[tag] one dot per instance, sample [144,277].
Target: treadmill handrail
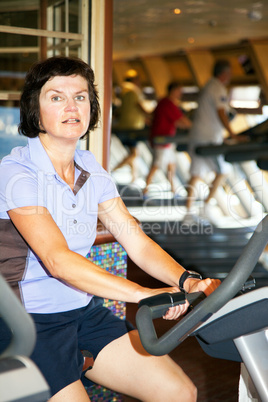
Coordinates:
[259,148]
[231,285]
[18,320]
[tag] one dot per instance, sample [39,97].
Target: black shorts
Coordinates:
[62,336]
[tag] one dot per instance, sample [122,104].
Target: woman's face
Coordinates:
[65,107]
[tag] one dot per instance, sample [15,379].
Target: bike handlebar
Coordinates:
[231,285]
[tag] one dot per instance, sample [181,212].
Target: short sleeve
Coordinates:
[102,184]
[19,187]
[106,185]
[176,114]
[169,110]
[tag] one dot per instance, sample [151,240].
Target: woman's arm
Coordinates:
[39,230]
[147,254]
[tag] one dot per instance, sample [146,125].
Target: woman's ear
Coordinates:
[41,126]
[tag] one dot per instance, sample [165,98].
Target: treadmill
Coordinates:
[250,156]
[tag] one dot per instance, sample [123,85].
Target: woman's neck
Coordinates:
[62,158]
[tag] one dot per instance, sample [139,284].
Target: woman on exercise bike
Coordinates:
[51,195]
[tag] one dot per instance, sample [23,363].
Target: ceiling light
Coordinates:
[177,11]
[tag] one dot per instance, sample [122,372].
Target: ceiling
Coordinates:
[150,27]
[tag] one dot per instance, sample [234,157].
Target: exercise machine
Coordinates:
[250,156]
[20,379]
[229,324]
[254,147]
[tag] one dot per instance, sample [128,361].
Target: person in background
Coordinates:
[167,118]
[51,196]
[131,115]
[210,120]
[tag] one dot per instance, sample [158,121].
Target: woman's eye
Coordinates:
[56,98]
[80,97]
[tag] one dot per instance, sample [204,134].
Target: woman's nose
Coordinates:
[71,104]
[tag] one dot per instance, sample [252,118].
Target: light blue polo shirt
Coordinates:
[28,178]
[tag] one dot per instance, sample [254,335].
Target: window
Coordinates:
[29,31]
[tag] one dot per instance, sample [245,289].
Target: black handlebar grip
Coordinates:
[159,304]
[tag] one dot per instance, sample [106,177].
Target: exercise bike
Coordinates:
[20,379]
[228,324]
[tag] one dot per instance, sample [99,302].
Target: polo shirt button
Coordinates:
[73,205]
[75,221]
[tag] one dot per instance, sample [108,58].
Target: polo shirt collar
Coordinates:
[39,156]
[41,159]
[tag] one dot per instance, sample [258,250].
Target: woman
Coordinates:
[48,190]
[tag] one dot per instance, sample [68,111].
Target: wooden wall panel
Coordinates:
[201,64]
[159,73]
[260,62]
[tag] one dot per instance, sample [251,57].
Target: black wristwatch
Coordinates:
[186,275]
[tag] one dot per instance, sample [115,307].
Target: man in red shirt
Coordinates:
[166,119]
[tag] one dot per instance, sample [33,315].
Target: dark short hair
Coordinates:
[173,85]
[38,75]
[220,66]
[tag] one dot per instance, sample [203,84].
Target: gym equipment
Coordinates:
[131,137]
[250,156]
[255,147]
[235,152]
[227,324]
[20,379]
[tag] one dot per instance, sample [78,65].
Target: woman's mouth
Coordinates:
[71,121]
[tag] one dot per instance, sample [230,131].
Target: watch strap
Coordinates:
[186,275]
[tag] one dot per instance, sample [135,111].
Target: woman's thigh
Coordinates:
[127,368]
[72,393]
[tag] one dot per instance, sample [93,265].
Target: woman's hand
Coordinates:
[175,312]
[207,285]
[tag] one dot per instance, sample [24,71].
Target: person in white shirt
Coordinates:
[210,120]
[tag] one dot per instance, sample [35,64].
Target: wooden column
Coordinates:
[43,25]
[101,62]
